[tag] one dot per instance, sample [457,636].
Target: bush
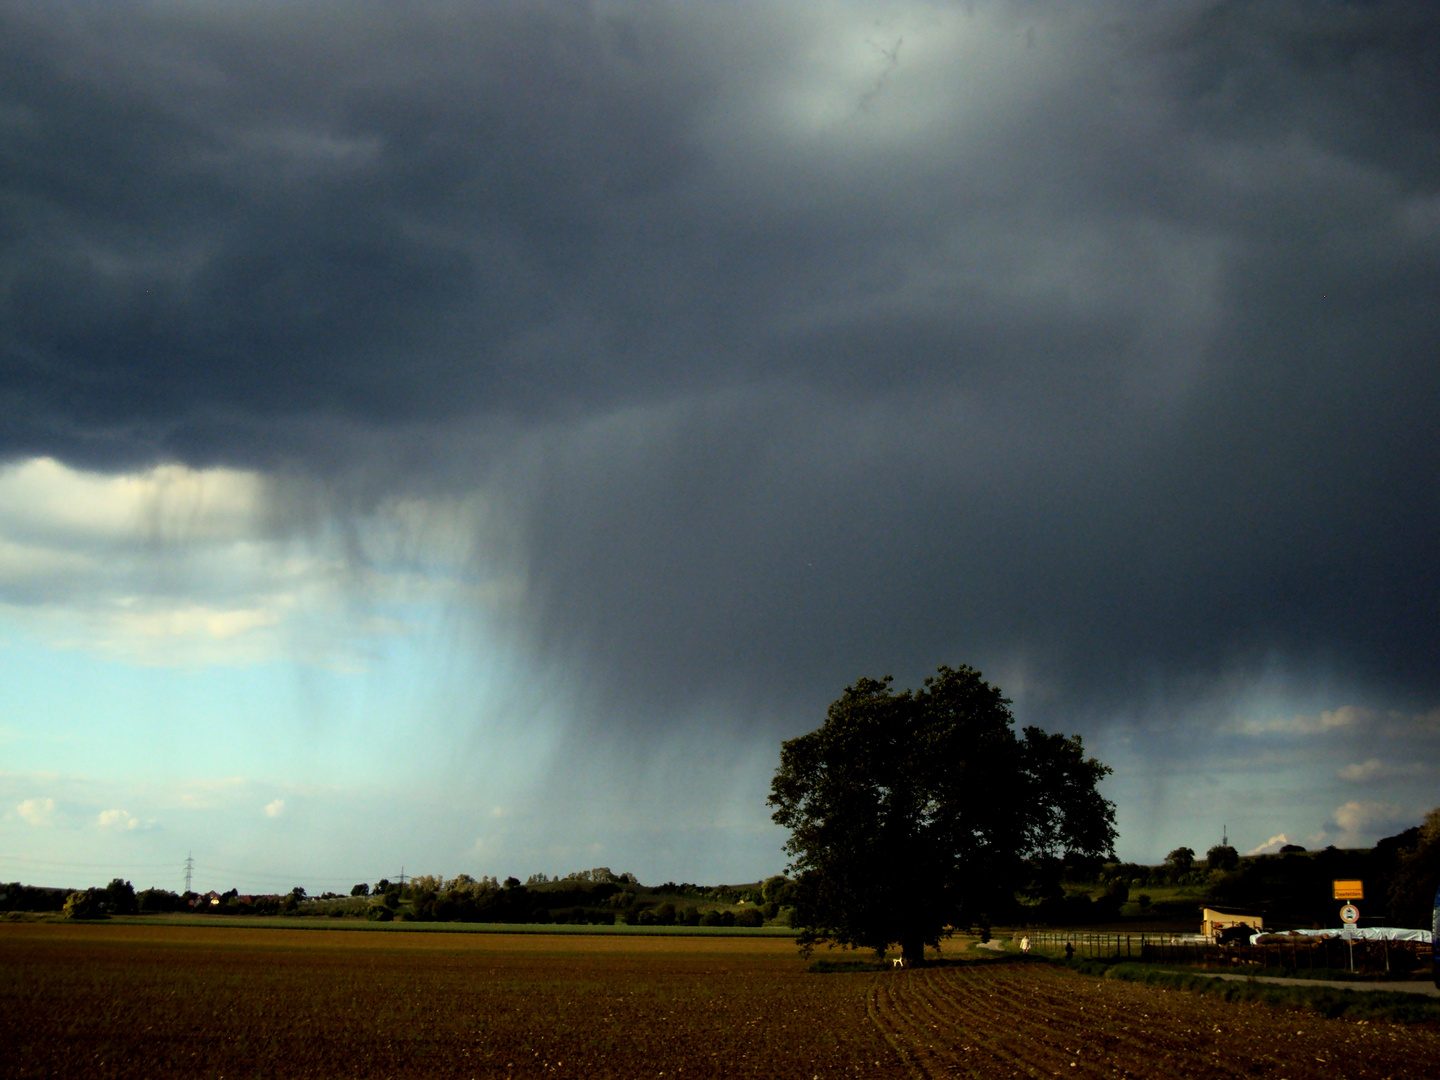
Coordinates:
[379,913]
[155,901]
[1222,857]
[751,916]
[82,905]
[120,898]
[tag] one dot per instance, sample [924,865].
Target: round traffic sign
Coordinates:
[1350,914]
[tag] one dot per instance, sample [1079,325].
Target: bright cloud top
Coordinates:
[36,811]
[118,820]
[181,566]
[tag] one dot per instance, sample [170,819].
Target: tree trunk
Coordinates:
[912,948]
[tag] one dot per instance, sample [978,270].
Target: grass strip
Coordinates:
[830,967]
[318,922]
[1327,1001]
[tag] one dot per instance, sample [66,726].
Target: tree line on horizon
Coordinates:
[1401,874]
[596,897]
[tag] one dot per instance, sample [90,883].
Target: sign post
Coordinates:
[1350,915]
[1349,889]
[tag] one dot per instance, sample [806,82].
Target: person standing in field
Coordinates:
[1025,944]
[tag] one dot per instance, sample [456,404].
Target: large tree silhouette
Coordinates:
[913,811]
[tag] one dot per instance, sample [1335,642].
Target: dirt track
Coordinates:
[1030,1021]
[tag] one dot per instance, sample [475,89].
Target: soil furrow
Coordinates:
[1130,1030]
[1012,1037]
[880,1008]
[974,994]
[991,1044]
[1054,1003]
[938,1032]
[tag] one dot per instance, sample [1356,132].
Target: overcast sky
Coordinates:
[470,436]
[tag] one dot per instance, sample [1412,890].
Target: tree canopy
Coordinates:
[1181,860]
[910,811]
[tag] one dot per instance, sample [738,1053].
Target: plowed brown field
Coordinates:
[133,1001]
[1011,1020]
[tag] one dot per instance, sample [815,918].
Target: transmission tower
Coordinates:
[189,870]
[402,877]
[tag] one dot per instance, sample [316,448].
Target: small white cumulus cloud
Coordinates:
[1345,718]
[1362,822]
[120,820]
[36,811]
[1373,769]
[275,809]
[1343,721]
[1271,846]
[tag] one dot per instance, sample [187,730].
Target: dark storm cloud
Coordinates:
[1100,352]
[215,217]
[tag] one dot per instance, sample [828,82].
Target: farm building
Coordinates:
[1213,921]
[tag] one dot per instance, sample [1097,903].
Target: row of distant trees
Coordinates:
[595,896]
[121,898]
[583,898]
[1402,872]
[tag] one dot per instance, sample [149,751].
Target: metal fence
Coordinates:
[1310,954]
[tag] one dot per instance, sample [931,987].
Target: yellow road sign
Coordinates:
[1349,890]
